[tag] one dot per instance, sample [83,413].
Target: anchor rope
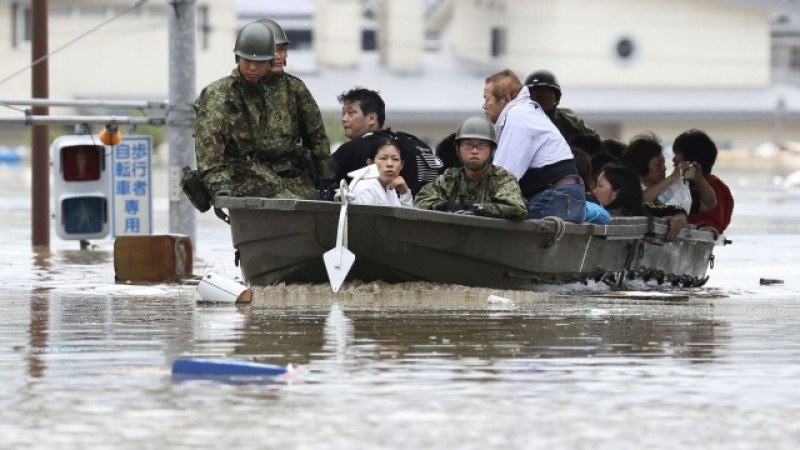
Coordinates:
[559,229]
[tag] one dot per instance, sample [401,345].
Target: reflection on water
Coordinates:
[103,361]
[555,329]
[85,362]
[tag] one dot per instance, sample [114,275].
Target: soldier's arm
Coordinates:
[209,140]
[586,128]
[507,201]
[432,195]
[312,131]
[578,123]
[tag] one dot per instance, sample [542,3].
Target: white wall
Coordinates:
[470,30]
[401,34]
[337,33]
[677,42]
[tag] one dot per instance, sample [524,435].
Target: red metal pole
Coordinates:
[40,142]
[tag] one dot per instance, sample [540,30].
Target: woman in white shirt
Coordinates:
[389,189]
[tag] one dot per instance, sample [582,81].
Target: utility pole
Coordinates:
[40,134]
[180,120]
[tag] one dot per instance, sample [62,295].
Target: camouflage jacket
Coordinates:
[247,137]
[497,191]
[569,124]
[299,120]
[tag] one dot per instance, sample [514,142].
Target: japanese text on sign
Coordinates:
[132,190]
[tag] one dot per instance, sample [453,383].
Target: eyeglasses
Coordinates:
[480,145]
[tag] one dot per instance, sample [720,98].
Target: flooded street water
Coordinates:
[85,363]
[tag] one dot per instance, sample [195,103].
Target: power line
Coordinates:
[81,36]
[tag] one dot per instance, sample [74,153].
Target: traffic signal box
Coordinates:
[81,187]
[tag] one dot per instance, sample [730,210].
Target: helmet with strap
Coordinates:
[255,42]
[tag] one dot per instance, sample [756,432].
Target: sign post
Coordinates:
[132,193]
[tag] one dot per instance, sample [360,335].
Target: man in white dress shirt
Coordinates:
[533,150]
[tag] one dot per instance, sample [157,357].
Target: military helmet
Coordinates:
[277,31]
[476,127]
[543,78]
[255,42]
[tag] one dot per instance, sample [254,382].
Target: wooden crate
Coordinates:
[152,259]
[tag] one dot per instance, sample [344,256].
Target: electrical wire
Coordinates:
[136,5]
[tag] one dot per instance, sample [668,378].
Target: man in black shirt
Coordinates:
[363,113]
[363,117]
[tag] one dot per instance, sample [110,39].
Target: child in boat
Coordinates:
[696,146]
[389,189]
[478,187]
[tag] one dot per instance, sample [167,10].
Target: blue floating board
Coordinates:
[9,156]
[216,367]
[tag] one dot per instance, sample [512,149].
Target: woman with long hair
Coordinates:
[389,189]
[618,190]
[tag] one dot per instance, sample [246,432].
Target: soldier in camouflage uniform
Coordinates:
[546,91]
[249,130]
[302,109]
[478,187]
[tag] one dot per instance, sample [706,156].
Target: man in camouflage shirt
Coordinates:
[546,91]
[478,187]
[252,131]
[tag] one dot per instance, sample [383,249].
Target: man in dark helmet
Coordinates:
[478,187]
[546,91]
[247,133]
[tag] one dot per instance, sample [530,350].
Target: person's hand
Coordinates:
[711,230]
[677,170]
[693,172]
[682,168]
[399,185]
[675,224]
[327,190]
[474,210]
[448,206]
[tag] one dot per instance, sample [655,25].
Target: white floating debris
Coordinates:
[498,302]
[647,295]
[117,290]
[595,311]
[216,288]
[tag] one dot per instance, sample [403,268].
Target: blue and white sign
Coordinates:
[132,196]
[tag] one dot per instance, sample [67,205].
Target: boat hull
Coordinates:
[282,241]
